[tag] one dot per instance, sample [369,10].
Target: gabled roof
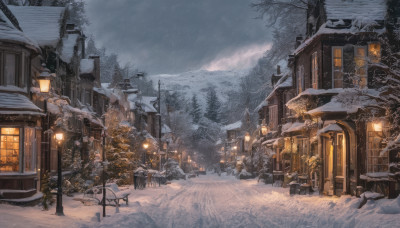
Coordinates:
[234,126]
[8,33]
[285,82]
[42,24]
[355,9]
[148,103]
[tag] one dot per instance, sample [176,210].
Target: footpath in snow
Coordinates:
[213,201]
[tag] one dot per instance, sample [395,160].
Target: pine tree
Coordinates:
[47,197]
[213,105]
[118,150]
[195,110]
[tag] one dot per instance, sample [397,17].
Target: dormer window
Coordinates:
[374,52]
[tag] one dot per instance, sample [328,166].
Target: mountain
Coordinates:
[197,82]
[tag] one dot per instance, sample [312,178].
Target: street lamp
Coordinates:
[59,136]
[264,130]
[44,80]
[247,137]
[145,146]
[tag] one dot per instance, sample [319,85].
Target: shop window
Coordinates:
[14,147]
[314,70]
[337,67]
[374,52]
[375,137]
[9,150]
[360,54]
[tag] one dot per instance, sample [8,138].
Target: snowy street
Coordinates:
[213,201]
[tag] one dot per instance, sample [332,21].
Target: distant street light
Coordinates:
[145,145]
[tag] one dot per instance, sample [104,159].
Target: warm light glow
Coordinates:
[235,147]
[247,137]
[145,145]
[222,161]
[10,131]
[44,85]
[374,52]
[264,130]
[59,136]
[377,126]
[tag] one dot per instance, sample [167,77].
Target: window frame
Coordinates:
[22,148]
[273,116]
[333,65]
[372,160]
[357,68]
[300,79]
[22,68]
[314,70]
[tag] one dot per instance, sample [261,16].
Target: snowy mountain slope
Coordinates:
[197,82]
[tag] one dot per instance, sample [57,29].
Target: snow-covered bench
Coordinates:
[113,194]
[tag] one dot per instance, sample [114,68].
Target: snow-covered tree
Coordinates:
[213,105]
[195,110]
[119,153]
[117,77]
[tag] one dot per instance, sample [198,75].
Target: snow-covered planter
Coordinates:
[173,171]
[243,175]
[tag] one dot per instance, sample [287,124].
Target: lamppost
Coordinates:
[235,154]
[59,136]
[44,80]
[247,145]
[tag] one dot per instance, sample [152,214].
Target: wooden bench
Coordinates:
[113,195]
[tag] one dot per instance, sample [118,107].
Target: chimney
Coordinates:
[299,39]
[278,69]
[83,39]
[96,70]
[70,27]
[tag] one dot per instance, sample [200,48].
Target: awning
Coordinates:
[295,127]
[330,128]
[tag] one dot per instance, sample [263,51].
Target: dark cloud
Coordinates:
[171,36]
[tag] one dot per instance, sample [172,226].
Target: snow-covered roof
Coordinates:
[165,129]
[358,26]
[8,33]
[41,23]
[67,52]
[352,9]
[297,126]
[86,66]
[285,81]
[148,103]
[234,126]
[330,128]
[264,103]
[14,103]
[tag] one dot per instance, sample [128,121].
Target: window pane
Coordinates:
[9,69]
[30,150]
[374,52]
[9,150]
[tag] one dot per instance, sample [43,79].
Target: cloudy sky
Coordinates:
[174,36]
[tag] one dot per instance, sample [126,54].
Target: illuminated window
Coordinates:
[375,137]
[374,52]
[360,54]
[9,150]
[314,70]
[337,66]
[340,155]
[300,79]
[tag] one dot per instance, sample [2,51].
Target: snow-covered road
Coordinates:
[213,201]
